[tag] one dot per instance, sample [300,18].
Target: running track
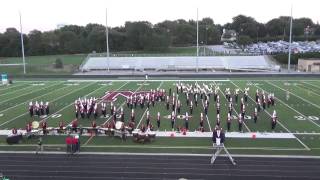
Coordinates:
[63,167]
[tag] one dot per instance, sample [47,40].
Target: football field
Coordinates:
[297,103]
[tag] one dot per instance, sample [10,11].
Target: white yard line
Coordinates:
[311,84]
[33,99]
[308,90]
[10,92]
[29,92]
[317,106]
[15,91]
[12,86]
[293,109]
[233,109]
[52,101]
[304,145]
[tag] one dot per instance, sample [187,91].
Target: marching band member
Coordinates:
[246,94]
[158,120]
[272,99]
[37,108]
[131,102]
[46,107]
[41,108]
[103,109]
[257,95]
[82,111]
[31,109]
[264,101]
[148,118]
[128,101]
[178,106]
[173,102]
[236,94]
[168,102]
[259,105]
[111,108]
[94,124]
[201,119]
[206,107]
[132,115]
[186,121]
[173,119]
[243,110]
[74,125]
[230,106]
[191,107]
[61,126]
[29,128]
[95,111]
[122,115]
[44,127]
[196,100]
[218,108]
[229,121]
[240,121]
[255,115]
[274,120]
[218,119]
[269,100]
[215,94]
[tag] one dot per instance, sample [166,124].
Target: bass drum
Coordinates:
[14,139]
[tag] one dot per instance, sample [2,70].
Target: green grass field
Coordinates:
[42,64]
[300,115]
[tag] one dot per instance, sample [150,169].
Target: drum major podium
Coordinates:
[217,148]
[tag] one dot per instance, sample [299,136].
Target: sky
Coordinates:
[47,14]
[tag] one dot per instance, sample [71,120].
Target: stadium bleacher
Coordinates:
[178,63]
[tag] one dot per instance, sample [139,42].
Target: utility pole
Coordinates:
[197,58]
[22,46]
[107,40]
[290,41]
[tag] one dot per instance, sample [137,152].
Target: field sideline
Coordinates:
[299,114]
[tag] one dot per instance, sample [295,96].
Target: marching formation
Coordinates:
[38,109]
[189,95]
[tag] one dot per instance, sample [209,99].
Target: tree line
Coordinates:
[145,36]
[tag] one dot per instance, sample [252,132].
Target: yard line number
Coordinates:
[302,118]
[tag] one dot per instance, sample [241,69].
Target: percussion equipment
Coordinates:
[14,139]
[119,125]
[135,134]
[35,125]
[152,135]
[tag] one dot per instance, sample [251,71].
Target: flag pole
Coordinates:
[107,39]
[22,45]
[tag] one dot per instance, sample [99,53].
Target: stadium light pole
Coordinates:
[22,45]
[290,41]
[197,59]
[107,39]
